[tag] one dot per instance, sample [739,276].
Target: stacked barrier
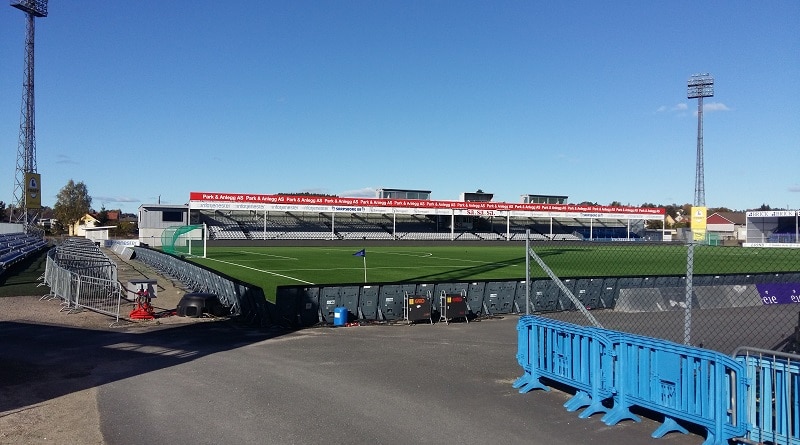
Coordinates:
[83,257]
[682,382]
[242,300]
[79,274]
[773,397]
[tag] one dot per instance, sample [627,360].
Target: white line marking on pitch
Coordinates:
[425,255]
[383,267]
[271,256]
[261,270]
[417,255]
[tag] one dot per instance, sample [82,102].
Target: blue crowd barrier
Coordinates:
[567,354]
[773,398]
[686,383]
[683,383]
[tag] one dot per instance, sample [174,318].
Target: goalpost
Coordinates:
[185,240]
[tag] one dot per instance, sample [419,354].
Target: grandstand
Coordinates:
[258,217]
[773,228]
[323,226]
[15,247]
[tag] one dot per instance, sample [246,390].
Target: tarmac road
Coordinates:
[70,378]
[216,383]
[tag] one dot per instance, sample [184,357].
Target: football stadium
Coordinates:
[604,305]
[665,323]
[264,232]
[226,224]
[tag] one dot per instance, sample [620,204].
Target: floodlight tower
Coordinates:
[700,86]
[26,151]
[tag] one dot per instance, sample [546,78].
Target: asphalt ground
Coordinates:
[216,381]
[73,378]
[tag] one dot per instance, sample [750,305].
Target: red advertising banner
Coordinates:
[416,203]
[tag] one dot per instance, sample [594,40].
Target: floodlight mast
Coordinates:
[26,151]
[37,8]
[700,86]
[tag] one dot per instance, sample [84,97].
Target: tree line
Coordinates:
[73,202]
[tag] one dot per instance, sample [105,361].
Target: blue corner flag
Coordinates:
[362,252]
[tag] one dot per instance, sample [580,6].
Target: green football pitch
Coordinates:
[268,267]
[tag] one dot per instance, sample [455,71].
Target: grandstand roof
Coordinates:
[246,201]
[738,218]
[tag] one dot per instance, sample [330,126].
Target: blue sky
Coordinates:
[578,98]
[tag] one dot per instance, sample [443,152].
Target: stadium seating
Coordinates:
[298,225]
[786,235]
[14,247]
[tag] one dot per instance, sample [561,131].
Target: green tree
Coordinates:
[654,224]
[713,210]
[102,216]
[72,202]
[125,229]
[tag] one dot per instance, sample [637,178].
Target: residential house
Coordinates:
[727,226]
[79,228]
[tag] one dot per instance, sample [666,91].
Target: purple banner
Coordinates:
[779,293]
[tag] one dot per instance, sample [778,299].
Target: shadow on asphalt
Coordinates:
[74,359]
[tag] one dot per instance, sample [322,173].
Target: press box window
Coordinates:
[172,216]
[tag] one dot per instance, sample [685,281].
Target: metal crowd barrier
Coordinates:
[91,284]
[773,397]
[82,256]
[682,382]
[240,298]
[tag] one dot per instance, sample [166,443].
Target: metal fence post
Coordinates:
[687,313]
[527,271]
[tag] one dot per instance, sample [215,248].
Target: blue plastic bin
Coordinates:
[340,316]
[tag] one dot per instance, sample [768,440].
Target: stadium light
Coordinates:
[700,86]
[37,8]
[27,197]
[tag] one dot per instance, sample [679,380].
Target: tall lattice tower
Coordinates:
[27,189]
[700,86]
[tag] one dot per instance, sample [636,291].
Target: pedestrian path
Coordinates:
[168,291]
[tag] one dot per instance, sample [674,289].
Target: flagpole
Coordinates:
[363,254]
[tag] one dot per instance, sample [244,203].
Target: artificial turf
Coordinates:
[268,267]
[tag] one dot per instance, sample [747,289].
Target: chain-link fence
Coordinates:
[716,297]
